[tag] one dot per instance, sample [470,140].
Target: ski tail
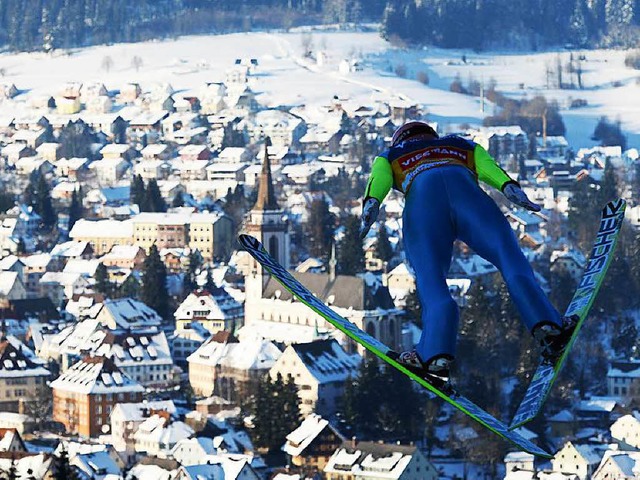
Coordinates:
[592,279]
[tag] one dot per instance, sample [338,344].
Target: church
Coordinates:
[272,311]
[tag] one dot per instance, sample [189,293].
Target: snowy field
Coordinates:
[285,78]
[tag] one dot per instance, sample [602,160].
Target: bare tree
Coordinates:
[136,62]
[306,40]
[107,63]
[39,405]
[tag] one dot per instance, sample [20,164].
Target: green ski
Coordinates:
[257,250]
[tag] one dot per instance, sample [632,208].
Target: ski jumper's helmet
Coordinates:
[409,130]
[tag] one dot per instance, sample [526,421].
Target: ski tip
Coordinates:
[247,241]
[615,207]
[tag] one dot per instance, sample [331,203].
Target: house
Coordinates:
[152,168]
[617,465]
[623,379]
[124,256]
[84,395]
[227,467]
[156,151]
[128,314]
[571,261]
[501,142]
[312,443]
[49,151]
[581,460]
[626,430]
[126,418]
[14,152]
[158,434]
[224,366]
[215,310]
[11,441]
[194,152]
[282,128]
[186,341]
[110,170]
[8,90]
[370,460]
[28,465]
[12,286]
[130,92]
[98,465]
[22,374]
[60,286]
[71,167]
[102,235]
[319,369]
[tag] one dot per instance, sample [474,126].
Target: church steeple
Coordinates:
[266,193]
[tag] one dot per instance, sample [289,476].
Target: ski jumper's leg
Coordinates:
[482,226]
[428,235]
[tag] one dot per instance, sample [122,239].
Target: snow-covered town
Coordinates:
[139,341]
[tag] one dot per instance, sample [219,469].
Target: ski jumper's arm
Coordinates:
[489,171]
[380,179]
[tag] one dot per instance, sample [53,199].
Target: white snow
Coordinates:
[284,78]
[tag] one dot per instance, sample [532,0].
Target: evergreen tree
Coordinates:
[209,284]
[178,200]
[7,201]
[76,139]
[137,190]
[42,203]
[608,190]
[351,251]
[75,209]
[154,291]
[103,285]
[152,200]
[61,468]
[384,250]
[578,26]
[320,228]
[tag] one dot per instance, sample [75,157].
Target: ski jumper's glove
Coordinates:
[370,211]
[516,195]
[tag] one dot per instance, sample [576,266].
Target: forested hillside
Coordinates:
[513,23]
[481,24]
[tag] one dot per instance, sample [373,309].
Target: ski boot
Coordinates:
[553,339]
[436,371]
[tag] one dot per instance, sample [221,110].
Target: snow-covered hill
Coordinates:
[285,78]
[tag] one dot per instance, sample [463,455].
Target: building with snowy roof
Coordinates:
[124,256]
[312,443]
[127,417]
[127,313]
[223,365]
[102,235]
[21,374]
[581,460]
[27,465]
[158,434]
[215,310]
[319,369]
[623,379]
[370,460]
[626,430]
[84,395]
[501,142]
[618,465]
[99,465]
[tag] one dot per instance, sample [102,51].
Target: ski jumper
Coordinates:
[443,202]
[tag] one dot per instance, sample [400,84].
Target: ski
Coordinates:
[592,277]
[257,251]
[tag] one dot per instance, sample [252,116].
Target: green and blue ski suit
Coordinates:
[443,202]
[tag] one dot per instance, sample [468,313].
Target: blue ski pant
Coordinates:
[445,204]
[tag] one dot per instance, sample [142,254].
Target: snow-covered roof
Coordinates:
[102,228]
[137,412]
[122,252]
[17,361]
[129,313]
[70,249]
[95,375]
[161,430]
[302,436]
[205,305]
[244,355]
[371,460]
[326,360]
